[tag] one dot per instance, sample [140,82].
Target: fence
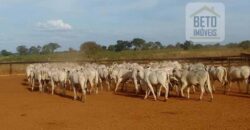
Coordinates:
[227,61]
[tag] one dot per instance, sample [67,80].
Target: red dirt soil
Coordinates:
[23,109]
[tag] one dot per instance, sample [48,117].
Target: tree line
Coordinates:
[24,50]
[137,44]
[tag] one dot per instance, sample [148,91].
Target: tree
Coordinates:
[178,45]
[50,48]
[90,48]
[138,43]
[187,45]
[104,47]
[147,46]
[170,46]
[5,53]
[152,45]
[231,45]
[197,46]
[34,50]
[71,50]
[244,44]
[112,47]
[22,50]
[123,45]
[159,45]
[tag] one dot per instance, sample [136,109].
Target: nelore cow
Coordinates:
[189,78]
[238,74]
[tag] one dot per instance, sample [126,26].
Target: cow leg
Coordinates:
[238,83]
[188,91]
[52,87]
[83,92]
[176,89]
[107,82]
[211,92]
[117,84]
[212,82]
[63,87]
[33,84]
[28,78]
[184,85]
[166,91]
[74,90]
[193,87]
[91,86]
[246,82]
[147,93]
[159,91]
[136,86]
[202,91]
[40,86]
[100,82]
[152,90]
[45,86]
[96,88]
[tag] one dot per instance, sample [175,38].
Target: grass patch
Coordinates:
[128,54]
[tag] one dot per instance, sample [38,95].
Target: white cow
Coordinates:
[58,76]
[154,77]
[40,74]
[218,74]
[103,75]
[92,77]
[194,78]
[78,78]
[238,74]
[124,75]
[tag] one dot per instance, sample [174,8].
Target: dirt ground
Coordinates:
[23,109]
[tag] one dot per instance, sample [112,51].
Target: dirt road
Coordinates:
[22,109]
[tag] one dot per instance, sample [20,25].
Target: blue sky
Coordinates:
[71,22]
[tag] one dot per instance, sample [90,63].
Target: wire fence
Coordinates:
[8,68]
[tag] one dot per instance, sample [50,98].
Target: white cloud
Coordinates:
[54,25]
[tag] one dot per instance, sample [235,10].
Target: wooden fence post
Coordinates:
[248,59]
[228,61]
[212,61]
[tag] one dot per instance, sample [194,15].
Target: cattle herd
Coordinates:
[146,78]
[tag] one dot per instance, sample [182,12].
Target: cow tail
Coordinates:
[225,76]
[208,82]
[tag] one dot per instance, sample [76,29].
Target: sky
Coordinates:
[72,22]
